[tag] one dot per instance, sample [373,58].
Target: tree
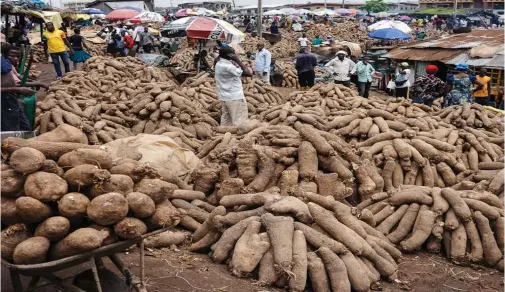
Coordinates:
[375,6]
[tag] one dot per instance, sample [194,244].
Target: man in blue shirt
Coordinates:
[304,64]
[262,64]
[274,29]
[365,75]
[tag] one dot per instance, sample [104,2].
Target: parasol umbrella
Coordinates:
[186,12]
[202,28]
[389,34]
[382,14]
[390,24]
[301,11]
[147,16]
[288,10]
[274,12]
[130,8]
[321,12]
[122,14]
[405,17]
[343,11]
[92,11]
[205,12]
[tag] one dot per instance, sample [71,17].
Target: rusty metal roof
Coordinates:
[490,37]
[442,55]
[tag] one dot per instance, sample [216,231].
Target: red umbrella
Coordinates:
[122,14]
[186,12]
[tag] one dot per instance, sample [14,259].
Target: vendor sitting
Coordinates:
[317,41]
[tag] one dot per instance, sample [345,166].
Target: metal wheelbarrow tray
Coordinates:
[46,270]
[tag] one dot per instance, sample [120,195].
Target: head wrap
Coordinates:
[341,52]
[462,67]
[404,64]
[431,69]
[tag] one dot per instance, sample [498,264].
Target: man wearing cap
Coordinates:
[262,63]
[228,72]
[365,72]
[342,68]
[428,87]
[402,82]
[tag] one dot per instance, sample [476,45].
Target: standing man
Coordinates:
[274,29]
[262,63]
[303,41]
[56,44]
[365,72]
[342,68]
[482,94]
[304,64]
[146,40]
[228,72]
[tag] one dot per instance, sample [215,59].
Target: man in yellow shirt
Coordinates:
[482,94]
[56,44]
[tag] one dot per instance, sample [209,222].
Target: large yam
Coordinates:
[45,187]
[80,241]
[108,209]
[26,160]
[280,231]
[97,157]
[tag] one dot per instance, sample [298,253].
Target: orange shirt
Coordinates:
[484,92]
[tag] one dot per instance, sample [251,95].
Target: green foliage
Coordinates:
[375,6]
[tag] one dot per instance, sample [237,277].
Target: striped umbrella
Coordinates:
[202,28]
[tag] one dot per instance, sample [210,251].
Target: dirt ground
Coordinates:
[183,271]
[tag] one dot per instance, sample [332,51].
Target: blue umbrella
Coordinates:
[93,11]
[389,34]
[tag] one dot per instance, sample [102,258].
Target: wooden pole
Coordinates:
[260,18]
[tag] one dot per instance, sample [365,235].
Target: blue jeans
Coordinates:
[56,62]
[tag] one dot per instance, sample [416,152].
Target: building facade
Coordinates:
[486,4]
[213,5]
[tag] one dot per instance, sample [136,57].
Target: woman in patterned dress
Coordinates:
[460,87]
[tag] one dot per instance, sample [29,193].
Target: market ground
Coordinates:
[183,271]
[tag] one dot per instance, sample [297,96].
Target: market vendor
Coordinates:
[317,41]
[228,72]
[13,116]
[482,94]
[56,44]
[428,87]
[342,68]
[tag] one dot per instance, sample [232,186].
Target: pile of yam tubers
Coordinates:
[117,98]
[69,198]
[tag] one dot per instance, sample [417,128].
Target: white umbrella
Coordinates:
[400,25]
[321,12]
[204,11]
[301,11]
[274,12]
[288,10]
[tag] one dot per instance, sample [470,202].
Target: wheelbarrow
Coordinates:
[93,258]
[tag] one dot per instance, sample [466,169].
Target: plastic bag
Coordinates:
[158,151]
[391,84]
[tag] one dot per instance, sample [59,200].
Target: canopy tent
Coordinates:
[202,28]
[130,8]
[54,17]
[147,16]
[326,11]
[301,11]
[274,12]
[122,14]
[390,24]
[389,34]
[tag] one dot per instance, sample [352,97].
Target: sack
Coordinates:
[391,84]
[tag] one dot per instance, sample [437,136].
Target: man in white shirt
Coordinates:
[342,68]
[228,72]
[303,41]
[262,64]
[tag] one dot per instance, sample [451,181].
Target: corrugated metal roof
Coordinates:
[490,37]
[441,55]
[497,61]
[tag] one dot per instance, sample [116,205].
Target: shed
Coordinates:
[447,51]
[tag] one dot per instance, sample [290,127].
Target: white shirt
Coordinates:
[297,27]
[228,81]
[343,68]
[407,76]
[464,23]
[303,42]
[262,61]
